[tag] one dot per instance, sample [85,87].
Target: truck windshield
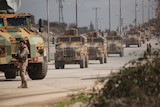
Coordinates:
[75,39]
[1,22]
[98,40]
[117,38]
[64,39]
[16,22]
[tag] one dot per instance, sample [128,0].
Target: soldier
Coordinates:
[149,49]
[23,63]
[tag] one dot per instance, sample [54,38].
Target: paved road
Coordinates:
[62,82]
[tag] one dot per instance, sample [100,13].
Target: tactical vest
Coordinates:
[24,58]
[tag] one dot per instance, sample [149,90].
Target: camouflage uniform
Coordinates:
[23,63]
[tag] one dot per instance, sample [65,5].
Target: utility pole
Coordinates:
[48,30]
[96,17]
[148,10]
[109,16]
[60,11]
[142,11]
[120,19]
[135,13]
[152,8]
[76,15]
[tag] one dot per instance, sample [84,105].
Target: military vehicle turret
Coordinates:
[14,28]
[71,48]
[96,47]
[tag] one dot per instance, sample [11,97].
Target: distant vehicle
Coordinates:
[13,29]
[143,37]
[115,45]
[153,28]
[96,47]
[71,48]
[133,38]
[147,33]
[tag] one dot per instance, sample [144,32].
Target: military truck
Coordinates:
[147,33]
[96,47]
[143,37]
[133,37]
[71,48]
[115,45]
[153,28]
[14,28]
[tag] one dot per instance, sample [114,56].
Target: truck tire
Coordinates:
[56,64]
[105,60]
[82,63]
[10,74]
[62,65]
[101,59]
[121,54]
[86,63]
[139,44]
[37,71]
[127,45]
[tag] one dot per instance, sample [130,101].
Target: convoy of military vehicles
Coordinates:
[70,47]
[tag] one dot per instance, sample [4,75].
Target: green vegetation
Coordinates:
[136,85]
[80,97]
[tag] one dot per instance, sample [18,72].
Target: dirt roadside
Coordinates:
[46,103]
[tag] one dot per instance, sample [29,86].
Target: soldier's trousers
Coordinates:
[23,67]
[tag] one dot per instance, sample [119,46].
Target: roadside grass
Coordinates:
[74,98]
[135,85]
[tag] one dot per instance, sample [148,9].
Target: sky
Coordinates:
[86,13]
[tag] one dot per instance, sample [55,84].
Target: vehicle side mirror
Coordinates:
[53,42]
[40,23]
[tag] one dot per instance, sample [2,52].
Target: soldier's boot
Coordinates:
[25,85]
[22,83]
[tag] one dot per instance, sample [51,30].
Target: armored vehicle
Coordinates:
[71,49]
[143,37]
[133,37]
[153,28]
[13,29]
[96,47]
[147,33]
[115,45]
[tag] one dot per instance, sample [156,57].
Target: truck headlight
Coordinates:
[40,50]
[2,51]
